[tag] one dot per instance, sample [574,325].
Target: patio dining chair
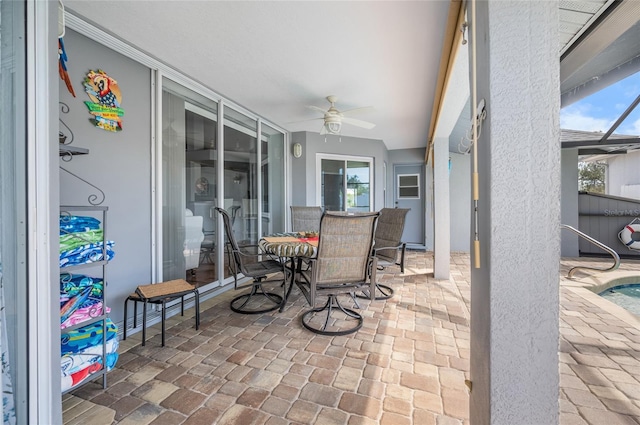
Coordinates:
[246,260]
[344,264]
[388,245]
[305,219]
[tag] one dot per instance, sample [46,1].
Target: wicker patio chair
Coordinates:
[242,260]
[344,264]
[305,219]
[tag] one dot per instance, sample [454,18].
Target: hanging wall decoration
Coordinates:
[62,66]
[105,100]
[62,53]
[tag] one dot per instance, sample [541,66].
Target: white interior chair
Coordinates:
[193,237]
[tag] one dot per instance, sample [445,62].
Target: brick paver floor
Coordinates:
[407,365]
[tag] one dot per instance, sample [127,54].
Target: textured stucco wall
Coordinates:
[514,295]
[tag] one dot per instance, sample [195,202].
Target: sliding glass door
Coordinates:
[345,183]
[189,157]
[241,175]
[251,189]
[272,173]
[13,217]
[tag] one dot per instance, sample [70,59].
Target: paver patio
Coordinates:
[407,365]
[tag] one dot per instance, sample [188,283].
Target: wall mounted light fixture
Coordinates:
[297,150]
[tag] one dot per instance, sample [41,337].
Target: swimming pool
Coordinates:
[626,296]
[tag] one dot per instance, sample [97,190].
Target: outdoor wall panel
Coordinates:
[602,217]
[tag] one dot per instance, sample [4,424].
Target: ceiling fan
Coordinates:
[333,118]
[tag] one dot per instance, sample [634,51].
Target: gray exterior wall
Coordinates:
[413,157]
[401,157]
[299,172]
[118,163]
[602,217]
[460,200]
[569,202]
[459,194]
[304,170]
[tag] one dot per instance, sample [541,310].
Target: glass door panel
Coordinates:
[272,169]
[332,180]
[346,184]
[13,216]
[241,176]
[189,155]
[358,185]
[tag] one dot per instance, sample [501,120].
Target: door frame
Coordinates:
[424,185]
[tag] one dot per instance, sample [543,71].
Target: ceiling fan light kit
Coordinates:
[333,127]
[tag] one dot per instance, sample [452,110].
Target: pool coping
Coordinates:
[589,287]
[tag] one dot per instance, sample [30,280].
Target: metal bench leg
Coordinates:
[135,314]
[124,329]
[197,295]
[144,322]
[164,316]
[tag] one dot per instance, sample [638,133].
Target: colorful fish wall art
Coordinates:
[106,99]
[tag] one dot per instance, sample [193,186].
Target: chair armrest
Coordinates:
[259,252]
[384,248]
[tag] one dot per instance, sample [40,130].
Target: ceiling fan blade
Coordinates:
[316,108]
[358,123]
[358,110]
[307,120]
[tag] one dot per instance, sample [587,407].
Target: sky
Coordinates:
[599,111]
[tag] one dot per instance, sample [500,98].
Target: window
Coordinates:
[345,183]
[408,186]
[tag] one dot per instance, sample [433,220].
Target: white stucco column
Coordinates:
[441,213]
[514,293]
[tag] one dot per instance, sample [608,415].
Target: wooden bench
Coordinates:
[159,293]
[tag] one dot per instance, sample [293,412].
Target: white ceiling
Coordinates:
[275,58]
